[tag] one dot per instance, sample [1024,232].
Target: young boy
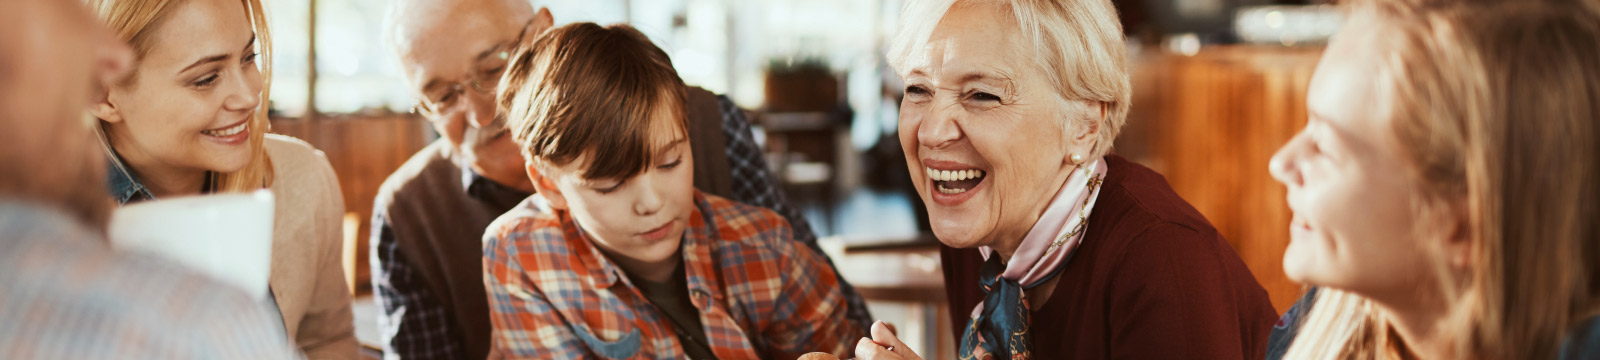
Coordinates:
[618,256]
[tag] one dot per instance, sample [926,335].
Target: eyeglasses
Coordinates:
[485,78]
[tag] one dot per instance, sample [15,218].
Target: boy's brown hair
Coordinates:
[583,89]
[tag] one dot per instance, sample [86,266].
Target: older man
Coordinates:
[430,215]
[67,295]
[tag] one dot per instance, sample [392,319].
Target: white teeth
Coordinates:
[940,176]
[229,131]
[953,175]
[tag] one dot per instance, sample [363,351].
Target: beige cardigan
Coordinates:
[307,251]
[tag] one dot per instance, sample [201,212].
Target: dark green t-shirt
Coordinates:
[671,298]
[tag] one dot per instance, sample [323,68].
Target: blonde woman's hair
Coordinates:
[1496,104]
[1077,43]
[135,21]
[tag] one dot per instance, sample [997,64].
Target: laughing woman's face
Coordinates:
[984,132]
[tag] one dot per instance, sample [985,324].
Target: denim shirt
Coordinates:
[1583,342]
[1283,333]
[126,188]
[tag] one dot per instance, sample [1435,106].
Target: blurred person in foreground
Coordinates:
[430,215]
[1445,186]
[1055,248]
[66,293]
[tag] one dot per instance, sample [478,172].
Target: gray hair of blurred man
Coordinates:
[54,58]
[1077,44]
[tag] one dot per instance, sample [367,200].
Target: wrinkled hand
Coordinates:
[884,345]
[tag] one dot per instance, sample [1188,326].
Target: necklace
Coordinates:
[1083,216]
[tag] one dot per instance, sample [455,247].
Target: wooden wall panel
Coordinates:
[1210,123]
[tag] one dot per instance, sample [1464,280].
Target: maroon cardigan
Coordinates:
[1151,280]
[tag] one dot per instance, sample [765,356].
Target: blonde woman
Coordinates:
[1445,186]
[191,119]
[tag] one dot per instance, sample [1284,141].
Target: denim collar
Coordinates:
[126,187]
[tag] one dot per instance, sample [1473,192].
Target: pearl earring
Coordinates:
[1077,159]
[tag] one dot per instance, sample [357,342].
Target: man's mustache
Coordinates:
[481,135]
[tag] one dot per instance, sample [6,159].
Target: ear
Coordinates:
[1081,139]
[541,21]
[101,105]
[1458,248]
[1095,112]
[544,185]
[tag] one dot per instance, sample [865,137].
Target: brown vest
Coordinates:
[439,227]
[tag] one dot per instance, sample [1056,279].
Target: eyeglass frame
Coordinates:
[434,109]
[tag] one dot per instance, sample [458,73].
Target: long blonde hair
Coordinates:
[1497,104]
[134,21]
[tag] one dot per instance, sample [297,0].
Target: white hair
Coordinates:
[400,23]
[1078,43]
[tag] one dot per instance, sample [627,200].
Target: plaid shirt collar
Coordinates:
[699,265]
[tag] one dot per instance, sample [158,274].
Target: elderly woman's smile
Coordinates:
[954,181]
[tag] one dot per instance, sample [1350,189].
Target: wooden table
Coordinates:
[905,272]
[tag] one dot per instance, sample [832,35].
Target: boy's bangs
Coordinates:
[638,141]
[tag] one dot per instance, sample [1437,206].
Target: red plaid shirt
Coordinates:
[760,294]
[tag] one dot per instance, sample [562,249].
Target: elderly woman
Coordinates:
[1055,248]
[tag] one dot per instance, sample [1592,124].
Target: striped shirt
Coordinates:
[553,295]
[69,296]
